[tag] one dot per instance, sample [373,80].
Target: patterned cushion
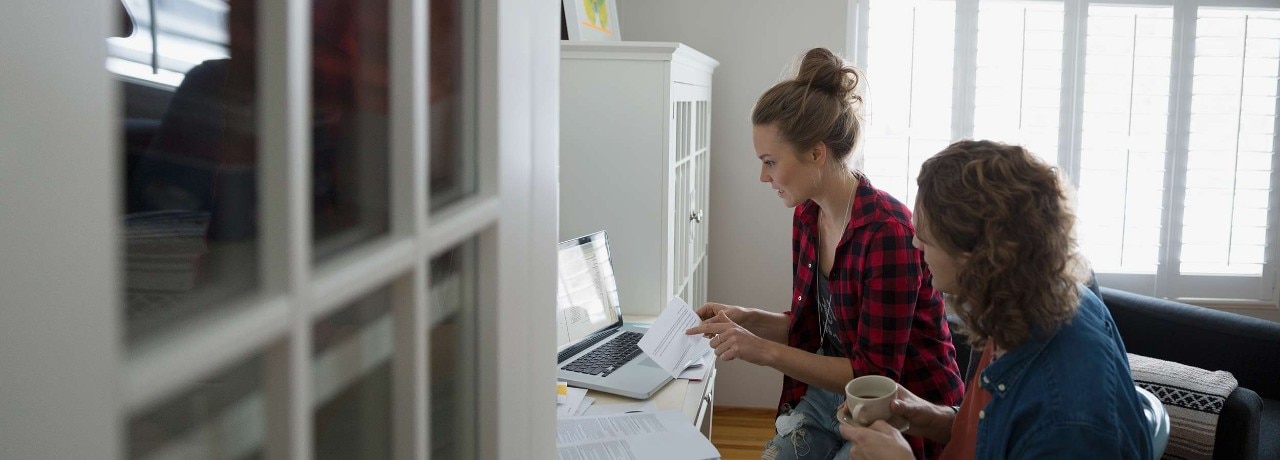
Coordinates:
[1192,396]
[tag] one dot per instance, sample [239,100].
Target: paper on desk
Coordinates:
[623,408]
[667,435]
[575,397]
[666,343]
[586,404]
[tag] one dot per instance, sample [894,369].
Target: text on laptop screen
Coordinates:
[587,294]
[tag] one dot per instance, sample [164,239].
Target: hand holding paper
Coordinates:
[732,341]
[666,343]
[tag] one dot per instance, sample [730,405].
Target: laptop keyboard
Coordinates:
[608,357]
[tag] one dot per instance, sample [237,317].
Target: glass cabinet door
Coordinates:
[350,135]
[453,352]
[221,416]
[189,181]
[351,380]
[452,103]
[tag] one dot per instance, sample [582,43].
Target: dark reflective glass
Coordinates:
[351,132]
[351,380]
[190,154]
[223,416]
[453,379]
[452,102]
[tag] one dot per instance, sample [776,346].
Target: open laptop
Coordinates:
[595,350]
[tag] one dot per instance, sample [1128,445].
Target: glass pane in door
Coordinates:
[452,102]
[222,416]
[190,158]
[351,132]
[351,378]
[453,352]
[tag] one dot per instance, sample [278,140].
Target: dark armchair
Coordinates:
[1248,348]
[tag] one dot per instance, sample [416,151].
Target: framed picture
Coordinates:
[592,20]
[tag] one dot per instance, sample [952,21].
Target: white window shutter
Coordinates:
[1019,74]
[910,71]
[1173,138]
[1123,137]
[1223,250]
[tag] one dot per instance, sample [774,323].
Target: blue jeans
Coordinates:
[810,430]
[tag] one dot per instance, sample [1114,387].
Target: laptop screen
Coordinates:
[586,293]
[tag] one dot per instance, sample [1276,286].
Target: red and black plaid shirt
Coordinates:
[889,318]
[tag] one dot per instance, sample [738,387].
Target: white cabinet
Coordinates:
[634,157]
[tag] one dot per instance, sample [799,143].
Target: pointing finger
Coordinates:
[720,318]
[708,327]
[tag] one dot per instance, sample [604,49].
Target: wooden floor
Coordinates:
[740,433]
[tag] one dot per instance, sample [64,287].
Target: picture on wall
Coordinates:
[592,20]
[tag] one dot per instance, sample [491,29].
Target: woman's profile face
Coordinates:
[781,167]
[942,264]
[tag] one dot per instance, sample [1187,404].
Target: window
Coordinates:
[1163,115]
[1123,135]
[186,33]
[914,85]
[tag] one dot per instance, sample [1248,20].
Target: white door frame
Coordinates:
[59,333]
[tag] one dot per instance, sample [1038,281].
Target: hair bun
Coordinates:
[822,70]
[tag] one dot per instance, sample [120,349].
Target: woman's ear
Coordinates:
[818,153]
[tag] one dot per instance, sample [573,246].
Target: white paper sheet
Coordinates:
[586,404]
[666,343]
[700,368]
[665,435]
[567,409]
[623,408]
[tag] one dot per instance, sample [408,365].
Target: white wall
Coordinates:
[750,245]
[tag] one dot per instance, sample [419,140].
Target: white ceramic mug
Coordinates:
[868,398]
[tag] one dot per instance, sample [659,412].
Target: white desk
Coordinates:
[695,399]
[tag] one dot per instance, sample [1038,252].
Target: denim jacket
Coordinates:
[1069,395]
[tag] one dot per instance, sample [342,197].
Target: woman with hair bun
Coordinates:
[996,225]
[862,302]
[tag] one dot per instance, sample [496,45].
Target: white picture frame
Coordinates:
[592,20]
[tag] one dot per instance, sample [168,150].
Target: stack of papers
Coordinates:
[665,435]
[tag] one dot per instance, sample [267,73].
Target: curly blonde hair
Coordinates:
[1010,213]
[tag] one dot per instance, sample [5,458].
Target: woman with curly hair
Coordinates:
[996,226]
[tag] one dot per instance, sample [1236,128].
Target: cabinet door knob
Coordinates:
[696,216]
